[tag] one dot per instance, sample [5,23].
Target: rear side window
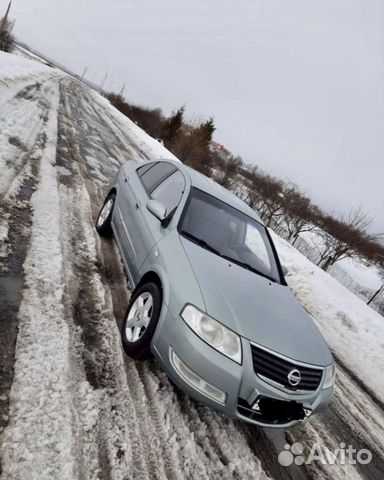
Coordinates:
[141,170]
[152,177]
[169,191]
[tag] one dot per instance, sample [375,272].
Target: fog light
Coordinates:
[197,382]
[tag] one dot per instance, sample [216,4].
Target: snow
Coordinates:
[366,276]
[63,171]
[353,330]
[13,67]
[14,71]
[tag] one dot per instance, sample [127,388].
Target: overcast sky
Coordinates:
[295,86]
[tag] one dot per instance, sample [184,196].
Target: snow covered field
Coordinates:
[72,405]
[361,279]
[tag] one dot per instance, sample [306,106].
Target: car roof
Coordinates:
[207,185]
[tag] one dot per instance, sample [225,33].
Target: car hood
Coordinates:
[262,311]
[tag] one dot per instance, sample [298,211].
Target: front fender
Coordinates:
[169,261]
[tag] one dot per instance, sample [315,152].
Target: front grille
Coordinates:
[276,369]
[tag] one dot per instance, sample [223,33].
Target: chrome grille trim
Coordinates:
[273,368]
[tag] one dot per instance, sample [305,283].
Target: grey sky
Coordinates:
[295,86]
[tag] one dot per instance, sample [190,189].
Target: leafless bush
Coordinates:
[150,120]
[188,142]
[343,237]
[228,171]
[6,39]
[298,213]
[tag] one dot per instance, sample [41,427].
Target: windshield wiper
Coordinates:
[200,242]
[248,267]
[204,244]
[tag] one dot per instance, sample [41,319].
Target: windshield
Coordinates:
[227,232]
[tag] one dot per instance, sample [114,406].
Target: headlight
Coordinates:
[213,332]
[329,376]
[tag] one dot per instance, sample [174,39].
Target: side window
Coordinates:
[155,175]
[169,191]
[144,168]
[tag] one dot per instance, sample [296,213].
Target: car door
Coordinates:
[160,182]
[124,210]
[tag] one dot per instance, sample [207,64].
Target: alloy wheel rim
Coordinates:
[105,211]
[139,316]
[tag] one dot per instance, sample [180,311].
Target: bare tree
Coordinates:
[6,27]
[229,170]
[298,214]
[343,237]
[266,196]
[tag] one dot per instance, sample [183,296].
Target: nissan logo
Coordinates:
[294,377]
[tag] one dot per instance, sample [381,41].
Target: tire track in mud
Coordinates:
[118,427]
[155,466]
[12,282]
[16,220]
[361,426]
[18,143]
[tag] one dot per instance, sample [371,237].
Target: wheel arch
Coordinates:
[153,277]
[113,190]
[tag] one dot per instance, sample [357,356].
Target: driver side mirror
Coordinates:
[157,209]
[285,270]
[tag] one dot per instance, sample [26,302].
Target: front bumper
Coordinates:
[242,388]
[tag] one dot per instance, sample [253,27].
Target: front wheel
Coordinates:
[141,320]
[103,222]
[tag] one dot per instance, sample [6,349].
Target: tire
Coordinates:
[138,328]
[103,222]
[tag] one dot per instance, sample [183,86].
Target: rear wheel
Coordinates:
[141,320]
[103,222]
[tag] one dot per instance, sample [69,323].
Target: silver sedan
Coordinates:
[209,297]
